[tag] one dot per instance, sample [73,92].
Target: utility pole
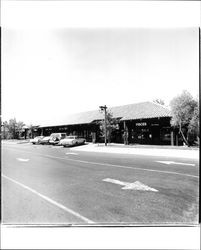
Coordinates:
[104,108]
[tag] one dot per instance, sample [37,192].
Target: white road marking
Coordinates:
[137,185]
[59,205]
[21,159]
[177,163]
[110,165]
[72,153]
[134,168]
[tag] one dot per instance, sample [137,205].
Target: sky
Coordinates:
[53,70]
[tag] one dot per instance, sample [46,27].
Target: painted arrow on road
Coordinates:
[21,159]
[178,163]
[134,186]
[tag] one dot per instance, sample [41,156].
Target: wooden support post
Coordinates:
[177,143]
[125,134]
[172,138]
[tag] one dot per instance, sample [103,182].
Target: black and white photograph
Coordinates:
[99,119]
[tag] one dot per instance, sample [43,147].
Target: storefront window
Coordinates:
[165,135]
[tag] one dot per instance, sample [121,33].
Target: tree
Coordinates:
[31,130]
[159,101]
[12,129]
[184,114]
[111,125]
[12,126]
[20,128]
[194,124]
[5,130]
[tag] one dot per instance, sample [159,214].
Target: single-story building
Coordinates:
[139,123]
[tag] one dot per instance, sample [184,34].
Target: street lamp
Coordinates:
[104,108]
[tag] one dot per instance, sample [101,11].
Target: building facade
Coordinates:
[140,123]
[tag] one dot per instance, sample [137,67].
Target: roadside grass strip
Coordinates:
[59,205]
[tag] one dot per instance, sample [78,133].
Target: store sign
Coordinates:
[141,124]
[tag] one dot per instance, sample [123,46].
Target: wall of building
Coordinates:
[82,130]
[155,131]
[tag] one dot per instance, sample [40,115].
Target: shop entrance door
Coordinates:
[155,132]
[141,136]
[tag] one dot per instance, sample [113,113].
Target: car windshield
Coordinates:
[55,135]
[71,137]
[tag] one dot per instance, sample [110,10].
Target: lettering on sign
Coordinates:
[141,124]
[145,130]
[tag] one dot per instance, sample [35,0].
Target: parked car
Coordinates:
[72,141]
[56,137]
[37,139]
[45,140]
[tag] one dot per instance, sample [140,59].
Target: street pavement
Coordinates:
[62,186]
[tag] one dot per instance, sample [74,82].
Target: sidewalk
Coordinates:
[168,151]
[15,141]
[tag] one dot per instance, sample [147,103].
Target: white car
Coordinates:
[45,140]
[56,137]
[37,139]
[72,141]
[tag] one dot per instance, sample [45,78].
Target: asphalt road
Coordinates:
[54,185]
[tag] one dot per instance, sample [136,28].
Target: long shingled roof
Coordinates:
[143,110]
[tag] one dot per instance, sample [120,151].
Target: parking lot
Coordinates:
[44,184]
